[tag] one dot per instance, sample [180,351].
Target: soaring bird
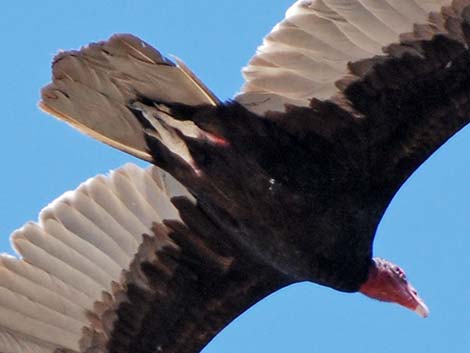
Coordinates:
[286,183]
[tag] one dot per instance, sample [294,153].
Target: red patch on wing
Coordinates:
[217,140]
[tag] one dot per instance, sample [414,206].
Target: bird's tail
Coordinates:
[113,91]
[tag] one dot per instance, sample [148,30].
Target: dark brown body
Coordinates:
[304,191]
[285,201]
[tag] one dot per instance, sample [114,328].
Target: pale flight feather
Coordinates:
[74,254]
[308,52]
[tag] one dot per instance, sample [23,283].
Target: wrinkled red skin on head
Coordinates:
[387,282]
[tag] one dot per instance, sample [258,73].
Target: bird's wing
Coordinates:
[93,89]
[375,87]
[124,263]
[385,81]
[414,98]
[308,52]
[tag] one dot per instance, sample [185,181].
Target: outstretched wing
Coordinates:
[309,51]
[386,82]
[124,263]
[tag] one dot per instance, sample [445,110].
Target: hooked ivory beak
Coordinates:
[422,310]
[414,302]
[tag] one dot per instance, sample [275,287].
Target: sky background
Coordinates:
[426,228]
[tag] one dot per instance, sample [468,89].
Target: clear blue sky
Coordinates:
[426,229]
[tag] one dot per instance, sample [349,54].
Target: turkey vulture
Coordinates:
[326,157]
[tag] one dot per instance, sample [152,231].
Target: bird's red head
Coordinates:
[387,282]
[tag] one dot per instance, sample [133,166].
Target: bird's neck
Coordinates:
[374,285]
